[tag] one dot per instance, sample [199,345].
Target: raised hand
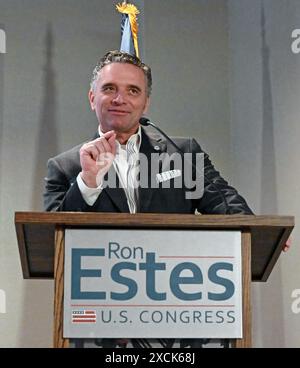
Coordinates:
[96,157]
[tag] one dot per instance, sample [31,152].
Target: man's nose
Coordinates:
[118,99]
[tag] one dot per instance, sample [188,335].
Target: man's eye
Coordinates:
[108,89]
[134,91]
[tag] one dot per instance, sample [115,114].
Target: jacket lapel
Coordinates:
[152,143]
[115,192]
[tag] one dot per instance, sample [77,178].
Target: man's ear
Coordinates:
[92,99]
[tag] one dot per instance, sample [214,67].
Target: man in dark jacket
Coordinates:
[78,180]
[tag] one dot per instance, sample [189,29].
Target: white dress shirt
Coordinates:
[127,169]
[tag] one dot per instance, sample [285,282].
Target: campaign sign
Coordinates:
[158,283]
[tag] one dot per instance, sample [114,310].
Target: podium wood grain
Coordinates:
[246,341]
[58,340]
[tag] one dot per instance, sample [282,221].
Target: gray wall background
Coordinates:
[265,131]
[223,73]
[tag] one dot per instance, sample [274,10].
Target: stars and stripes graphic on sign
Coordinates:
[84,316]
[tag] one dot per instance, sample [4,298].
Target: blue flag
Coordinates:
[126,36]
[129,28]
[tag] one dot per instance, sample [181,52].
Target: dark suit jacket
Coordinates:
[62,192]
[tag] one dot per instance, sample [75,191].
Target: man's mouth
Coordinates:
[118,112]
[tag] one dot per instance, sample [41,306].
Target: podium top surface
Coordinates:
[36,234]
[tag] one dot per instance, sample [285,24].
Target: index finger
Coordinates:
[109,134]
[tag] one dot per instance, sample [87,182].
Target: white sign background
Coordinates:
[140,316]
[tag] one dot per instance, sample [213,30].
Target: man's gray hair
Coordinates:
[122,57]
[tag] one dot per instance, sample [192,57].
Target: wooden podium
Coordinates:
[41,246]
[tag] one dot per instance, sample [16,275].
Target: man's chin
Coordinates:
[116,124]
[120,125]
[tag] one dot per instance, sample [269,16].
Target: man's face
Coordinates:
[120,98]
